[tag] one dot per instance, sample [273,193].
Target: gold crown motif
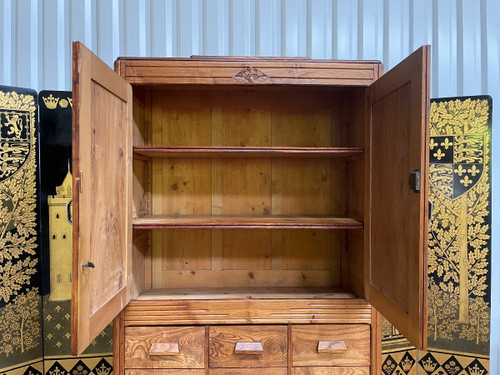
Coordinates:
[50,101]
[57,371]
[429,365]
[475,370]
[407,364]
[102,370]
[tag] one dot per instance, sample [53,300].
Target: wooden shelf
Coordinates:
[250,222]
[239,152]
[245,293]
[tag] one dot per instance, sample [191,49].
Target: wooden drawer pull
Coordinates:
[331,346]
[163,348]
[248,347]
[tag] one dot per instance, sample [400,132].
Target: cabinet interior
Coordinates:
[253,189]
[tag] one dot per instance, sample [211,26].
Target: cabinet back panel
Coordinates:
[173,126]
[256,186]
[211,258]
[182,186]
[201,118]
[244,278]
[246,186]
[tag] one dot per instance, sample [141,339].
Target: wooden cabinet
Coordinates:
[241,213]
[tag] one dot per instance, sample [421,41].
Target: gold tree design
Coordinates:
[17,231]
[459,233]
[18,202]
[20,324]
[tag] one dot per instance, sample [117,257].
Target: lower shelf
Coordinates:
[247,306]
[244,293]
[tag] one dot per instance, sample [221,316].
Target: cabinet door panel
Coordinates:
[101,192]
[396,216]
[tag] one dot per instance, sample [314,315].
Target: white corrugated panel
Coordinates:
[35,46]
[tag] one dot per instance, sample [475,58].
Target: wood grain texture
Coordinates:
[219,151]
[240,221]
[221,71]
[396,217]
[376,342]
[332,371]
[245,293]
[248,311]
[223,340]
[241,278]
[102,157]
[301,249]
[246,152]
[119,344]
[141,342]
[305,339]
[301,187]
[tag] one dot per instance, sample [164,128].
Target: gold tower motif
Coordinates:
[60,241]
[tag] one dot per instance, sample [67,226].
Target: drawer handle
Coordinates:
[248,347]
[331,346]
[164,348]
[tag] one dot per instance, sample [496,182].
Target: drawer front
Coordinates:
[164,347]
[331,345]
[331,371]
[248,346]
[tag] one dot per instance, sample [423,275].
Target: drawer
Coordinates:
[164,347]
[331,371]
[247,346]
[330,345]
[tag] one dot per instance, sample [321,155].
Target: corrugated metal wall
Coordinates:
[35,45]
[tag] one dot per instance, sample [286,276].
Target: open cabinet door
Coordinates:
[397,208]
[102,160]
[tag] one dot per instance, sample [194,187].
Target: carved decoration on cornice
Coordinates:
[251,75]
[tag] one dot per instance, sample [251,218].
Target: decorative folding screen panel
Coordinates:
[20,299]
[459,246]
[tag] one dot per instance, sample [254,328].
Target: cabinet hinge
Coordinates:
[415,180]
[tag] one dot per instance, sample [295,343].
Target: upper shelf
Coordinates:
[249,222]
[255,152]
